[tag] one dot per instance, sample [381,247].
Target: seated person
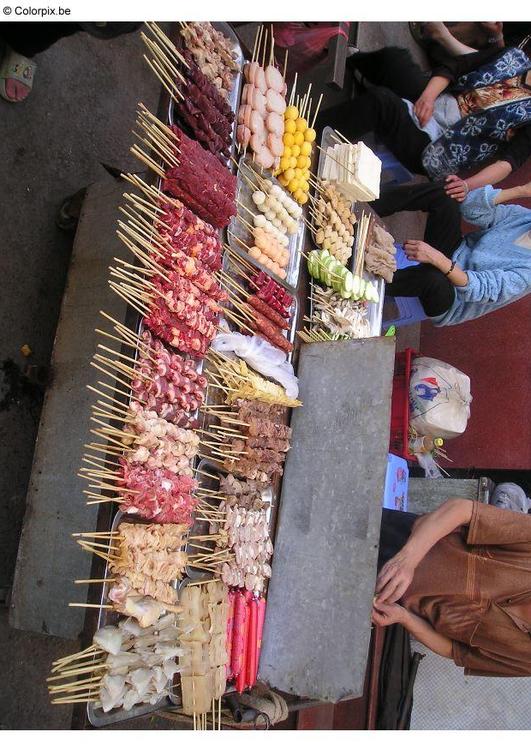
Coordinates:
[460,584]
[474,108]
[460,278]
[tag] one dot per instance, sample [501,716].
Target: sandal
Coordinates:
[15,67]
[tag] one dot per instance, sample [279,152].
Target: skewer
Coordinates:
[265,48]
[142,156]
[104,449]
[73,657]
[168,44]
[111,388]
[162,56]
[293,89]
[95,580]
[84,669]
[318,107]
[256,36]
[110,374]
[86,604]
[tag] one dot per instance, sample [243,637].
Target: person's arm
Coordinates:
[425,103]
[396,575]
[423,253]
[510,157]
[482,207]
[458,189]
[513,194]
[388,614]
[474,286]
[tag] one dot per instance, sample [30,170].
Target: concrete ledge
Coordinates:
[48,558]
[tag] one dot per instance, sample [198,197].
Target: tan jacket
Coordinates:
[474,586]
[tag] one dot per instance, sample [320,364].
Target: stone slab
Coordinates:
[317,628]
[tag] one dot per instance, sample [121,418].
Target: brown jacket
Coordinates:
[475,588]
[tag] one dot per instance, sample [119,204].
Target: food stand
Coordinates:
[199,405]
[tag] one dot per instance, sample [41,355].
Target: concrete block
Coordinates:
[317,628]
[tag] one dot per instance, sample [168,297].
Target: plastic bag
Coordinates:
[439,398]
[431,470]
[510,496]
[262,357]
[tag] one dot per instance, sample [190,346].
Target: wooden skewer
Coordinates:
[265,48]
[86,604]
[115,390]
[285,64]
[318,107]
[85,668]
[110,374]
[95,580]
[142,156]
[167,43]
[73,657]
[256,37]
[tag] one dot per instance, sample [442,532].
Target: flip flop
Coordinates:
[15,67]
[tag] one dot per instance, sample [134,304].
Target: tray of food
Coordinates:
[268,229]
[207,108]
[259,305]
[136,633]
[343,233]
[238,518]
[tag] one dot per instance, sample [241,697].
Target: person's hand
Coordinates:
[421,252]
[456,188]
[388,614]
[395,577]
[424,109]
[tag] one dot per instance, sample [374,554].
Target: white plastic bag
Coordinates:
[262,357]
[439,398]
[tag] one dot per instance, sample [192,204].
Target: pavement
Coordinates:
[77,119]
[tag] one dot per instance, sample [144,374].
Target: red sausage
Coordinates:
[271,332]
[268,312]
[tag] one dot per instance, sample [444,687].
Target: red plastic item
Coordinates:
[252,644]
[238,634]
[399,439]
[259,632]
[241,679]
[230,630]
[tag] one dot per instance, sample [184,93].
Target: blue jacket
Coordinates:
[497,257]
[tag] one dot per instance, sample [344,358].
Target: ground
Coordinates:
[77,120]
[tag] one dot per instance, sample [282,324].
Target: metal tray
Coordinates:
[96,716]
[289,334]
[201,527]
[235,92]
[238,230]
[375,309]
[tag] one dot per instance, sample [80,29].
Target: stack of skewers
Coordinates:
[263,103]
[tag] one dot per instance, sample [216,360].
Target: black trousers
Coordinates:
[395,530]
[443,232]
[381,110]
[29,39]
